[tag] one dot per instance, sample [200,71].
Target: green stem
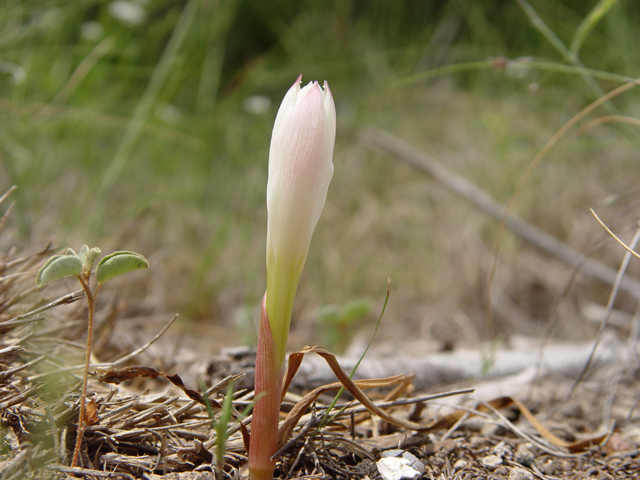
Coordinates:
[91,304]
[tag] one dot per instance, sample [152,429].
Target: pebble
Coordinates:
[397,468]
[524,455]
[414,462]
[518,473]
[460,463]
[491,461]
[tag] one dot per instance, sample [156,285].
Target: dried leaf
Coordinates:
[91,413]
[118,375]
[355,388]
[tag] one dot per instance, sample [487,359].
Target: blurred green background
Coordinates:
[145,124]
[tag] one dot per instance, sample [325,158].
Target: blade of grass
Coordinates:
[83,70]
[590,21]
[547,33]
[572,58]
[502,63]
[144,106]
[221,15]
[221,426]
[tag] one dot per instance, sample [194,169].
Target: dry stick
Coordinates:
[64,300]
[393,145]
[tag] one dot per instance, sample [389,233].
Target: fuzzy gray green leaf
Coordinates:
[57,267]
[119,263]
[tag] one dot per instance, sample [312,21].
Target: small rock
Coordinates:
[392,453]
[491,461]
[397,468]
[413,460]
[461,463]
[523,455]
[518,473]
[488,429]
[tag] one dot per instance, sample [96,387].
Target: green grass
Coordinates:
[150,148]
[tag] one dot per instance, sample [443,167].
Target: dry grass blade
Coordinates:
[624,245]
[303,405]
[573,447]
[6,214]
[350,408]
[146,345]
[6,194]
[610,119]
[4,217]
[91,473]
[64,300]
[354,387]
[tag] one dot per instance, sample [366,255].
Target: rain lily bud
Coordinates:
[300,169]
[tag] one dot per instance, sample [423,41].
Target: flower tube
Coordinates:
[300,170]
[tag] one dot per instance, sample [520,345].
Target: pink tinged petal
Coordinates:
[330,108]
[287,104]
[300,169]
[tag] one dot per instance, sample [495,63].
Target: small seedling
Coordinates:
[221,425]
[338,322]
[79,265]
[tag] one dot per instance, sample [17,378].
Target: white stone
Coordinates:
[460,463]
[413,460]
[397,468]
[492,461]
